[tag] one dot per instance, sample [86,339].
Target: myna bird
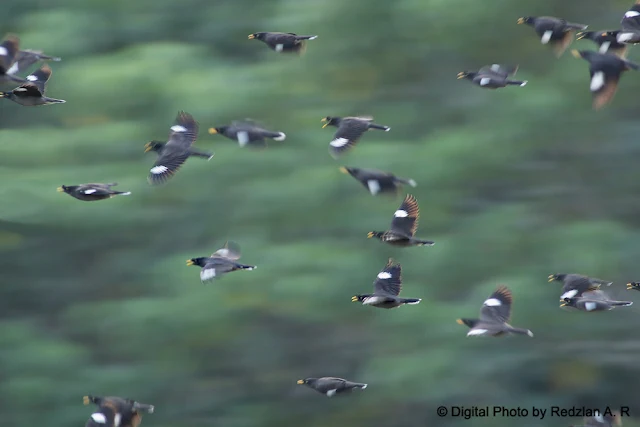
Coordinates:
[403,226]
[8,50]
[608,419]
[32,92]
[283,42]
[116,411]
[592,304]
[633,285]
[220,262]
[247,134]
[350,129]
[555,32]
[493,76]
[630,24]
[605,70]
[377,181]
[574,285]
[173,154]
[606,41]
[386,289]
[494,315]
[92,192]
[331,385]
[26,58]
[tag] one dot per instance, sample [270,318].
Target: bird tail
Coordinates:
[276,136]
[143,407]
[632,65]
[520,331]
[122,193]
[379,127]
[424,242]
[407,181]
[573,26]
[4,94]
[517,82]
[245,267]
[411,300]
[361,386]
[621,303]
[203,154]
[306,37]
[54,101]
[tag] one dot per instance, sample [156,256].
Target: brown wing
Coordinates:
[184,131]
[497,308]
[405,219]
[230,251]
[8,50]
[603,96]
[389,279]
[561,45]
[40,77]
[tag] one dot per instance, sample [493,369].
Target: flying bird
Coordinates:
[403,226]
[633,285]
[331,385]
[8,50]
[605,70]
[630,24]
[493,76]
[377,182]
[598,302]
[386,289]
[221,262]
[116,411]
[176,151]
[606,41]
[26,58]
[283,42]
[247,134]
[350,129]
[574,285]
[555,32]
[494,315]
[92,192]
[32,92]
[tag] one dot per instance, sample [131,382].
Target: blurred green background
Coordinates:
[513,185]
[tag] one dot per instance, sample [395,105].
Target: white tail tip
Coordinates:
[524,83]
[313,38]
[415,302]
[387,129]
[364,386]
[412,183]
[530,334]
[211,157]
[281,137]
[125,194]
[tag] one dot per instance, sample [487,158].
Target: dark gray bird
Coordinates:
[331,385]
[247,134]
[116,411]
[26,58]
[403,226]
[221,262]
[605,70]
[494,315]
[602,420]
[606,41]
[630,24]
[386,289]
[574,285]
[493,76]
[92,192]
[377,182]
[32,92]
[176,151]
[597,302]
[283,42]
[350,129]
[555,32]
[633,285]
[8,51]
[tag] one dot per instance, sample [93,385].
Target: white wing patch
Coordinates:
[631,14]
[384,275]
[14,67]
[476,332]
[569,294]
[99,418]
[339,142]
[178,128]
[243,138]
[624,37]
[597,81]
[604,47]
[374,186]
[372,300]
[3,51]
[207,274]
[157,170]
[331,392]
[313,38]
[546,37]
[485,81]
[400,213]
[279,47]
[493,302]
[116,420]
[32,78]
[590,306]
[90,191]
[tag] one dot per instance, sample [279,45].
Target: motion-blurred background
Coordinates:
[513,185]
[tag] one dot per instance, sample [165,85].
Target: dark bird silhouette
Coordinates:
[350,129]
[574,285]
[493,76]
[92,192]
[606,41]
[32,92]
[116,411]
[403,226]
[555,32]
[386,289]
[247,134]
[331,385]
[221,262]
[283,42]
[377,182]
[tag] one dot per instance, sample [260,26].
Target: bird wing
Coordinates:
[603,87]
[184,132]
[389,280]
[501,70]
[94,189]
[365,118]
[497,308]
[631,18]
[347,135]
[8,50]
[166,165]
[214,268]
[575,285]
[38,80]
[230,250]
[26,58]
[405,219]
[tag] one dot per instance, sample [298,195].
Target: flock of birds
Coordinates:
[579,292]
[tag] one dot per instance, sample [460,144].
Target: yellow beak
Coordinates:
[550,278]
[459,322]
[189,262]
[325,125]
[147,147]
[564,304]
[460,76]
[369,234]
[213,131]
[85,400]
[251,37]
[300,382]
[343,170]
[580,36]
[354,299]
[629,286]
[575,53]
[60,190]
[520,20]
[603,34]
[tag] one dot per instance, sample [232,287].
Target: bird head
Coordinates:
[258,36]
[153,146]
[556,277]
[357,298]
[467,322]
[526,20]
[306,381]
[466,75]
[64,189]
[200,262]
[347,170]
[221,129]
[633,285]
[373,234]
[568,302]
[330,121]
